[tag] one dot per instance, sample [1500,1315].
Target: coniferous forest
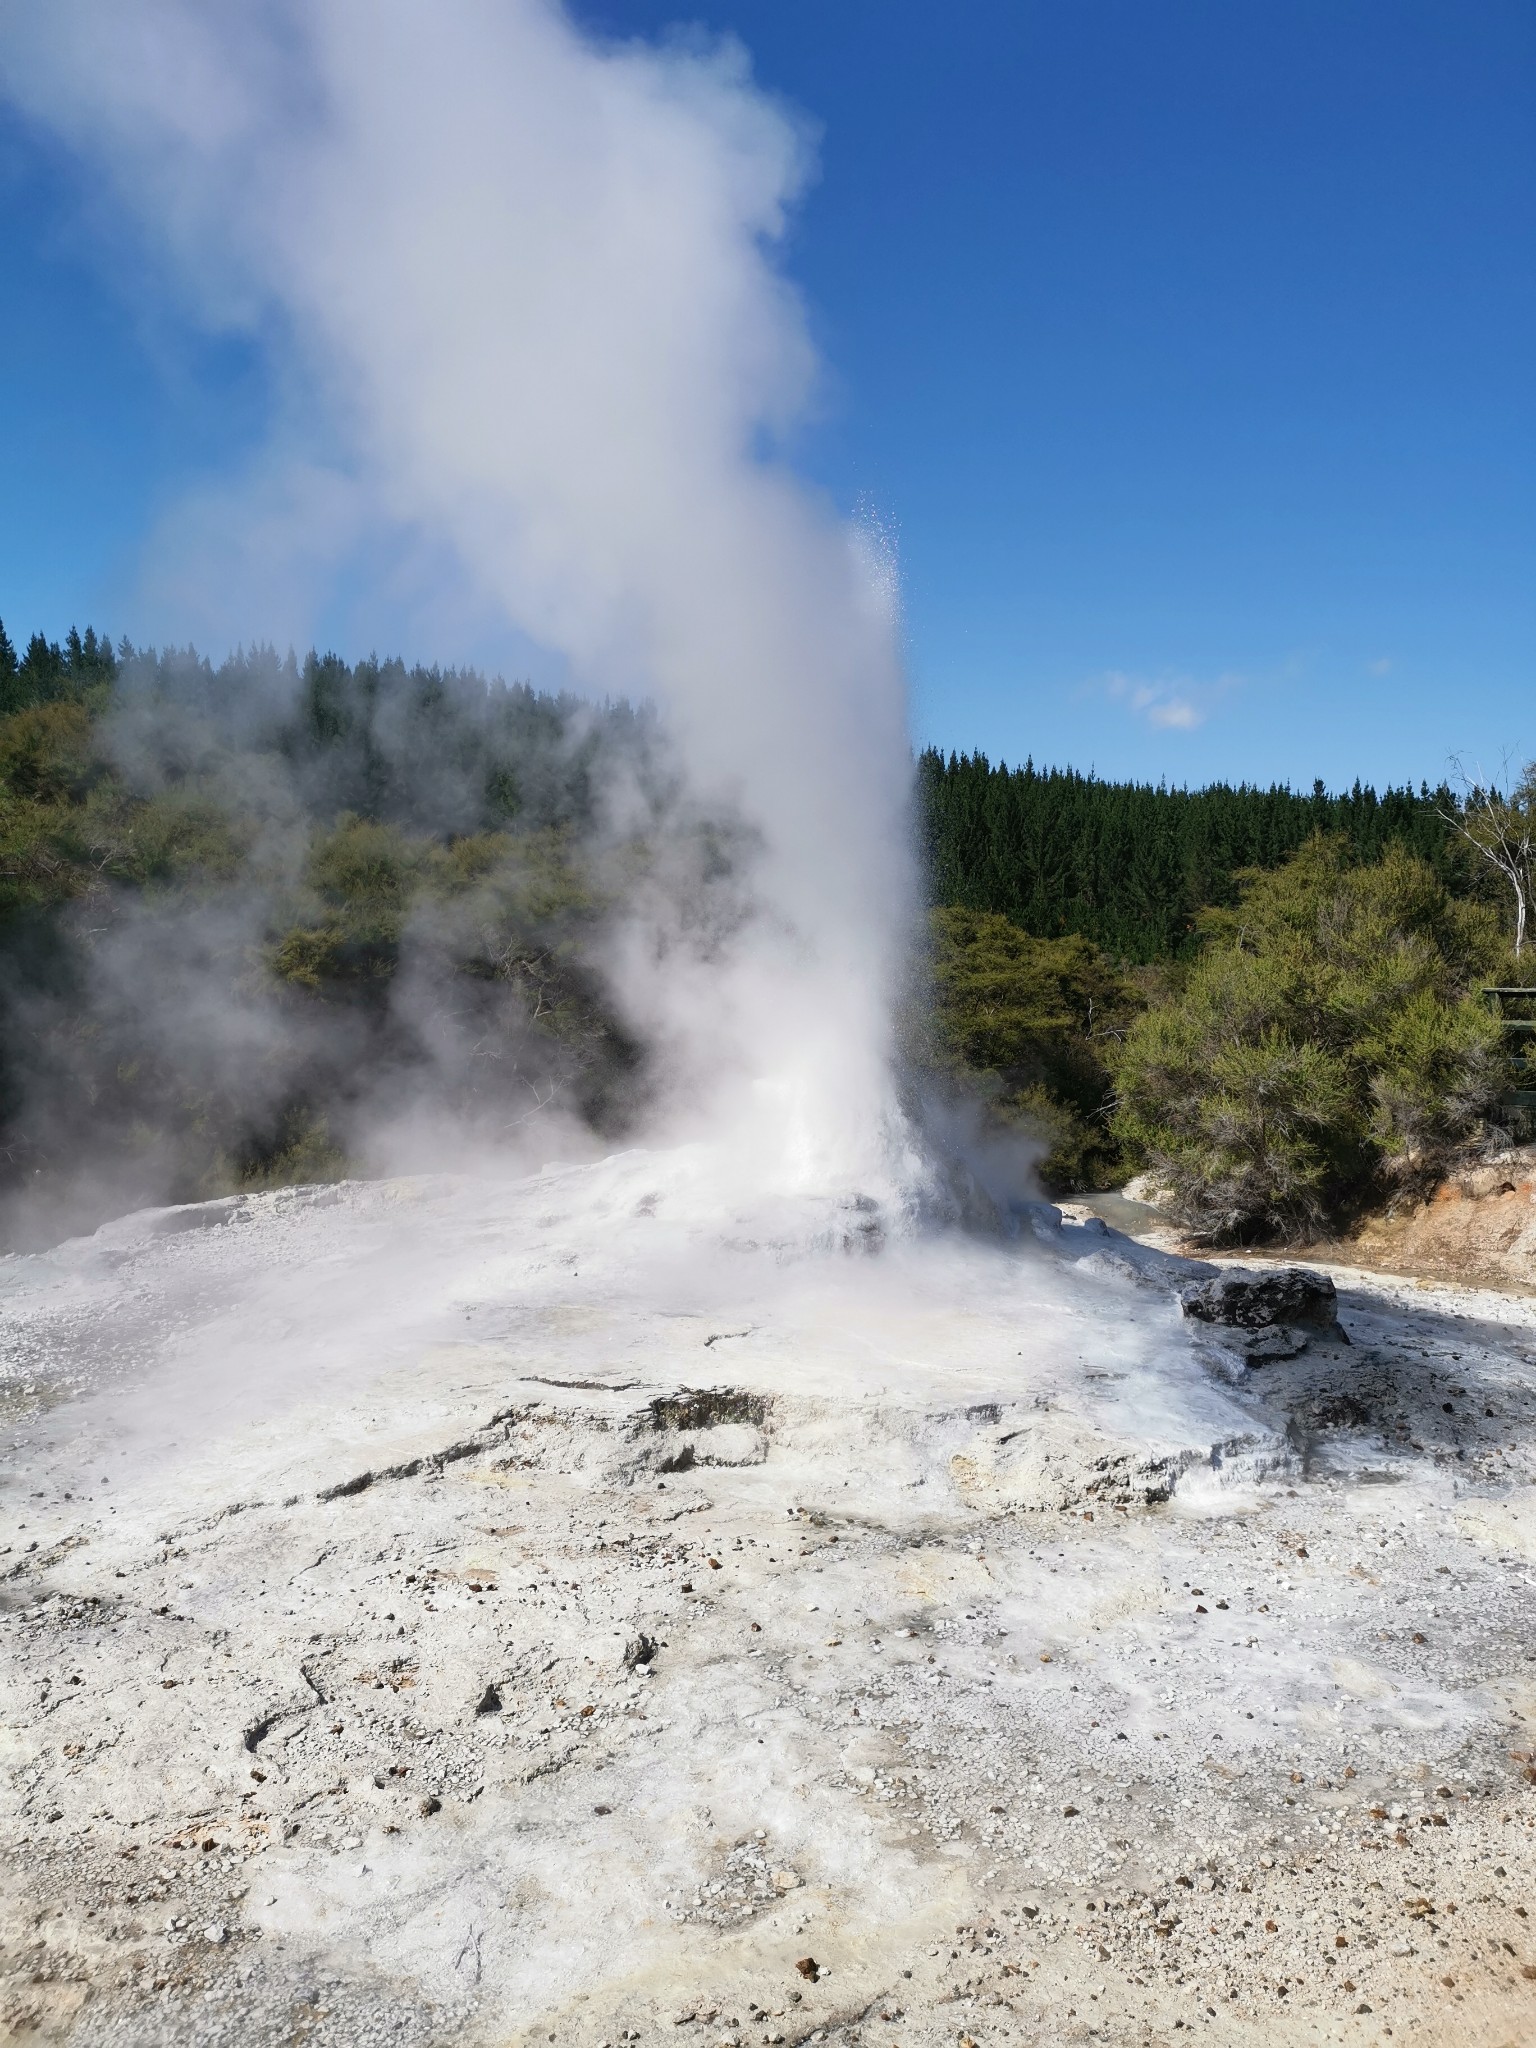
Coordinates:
[253,912]
[1131,865]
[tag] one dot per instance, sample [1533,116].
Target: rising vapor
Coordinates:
[520,288]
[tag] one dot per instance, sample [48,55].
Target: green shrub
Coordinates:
[1327,1047]
[46,752]
[363,865]
[1435,1069]
[301,1152]
[1023,1023]
[175,837]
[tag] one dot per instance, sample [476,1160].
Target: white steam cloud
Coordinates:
[520,286]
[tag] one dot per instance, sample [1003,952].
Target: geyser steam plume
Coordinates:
[521,290]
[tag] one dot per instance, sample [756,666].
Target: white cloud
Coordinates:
[1170,703]
[1175,714]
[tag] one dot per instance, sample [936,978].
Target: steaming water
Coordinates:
[521,288]
[194,1332]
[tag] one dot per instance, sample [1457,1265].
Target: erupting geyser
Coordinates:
[522,292]
[607,1603]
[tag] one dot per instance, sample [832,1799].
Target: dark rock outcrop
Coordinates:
[1241,1300]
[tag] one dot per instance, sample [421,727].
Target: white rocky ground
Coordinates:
[441,1611]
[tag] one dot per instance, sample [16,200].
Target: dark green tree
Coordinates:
[1023,1024]
[1328,1048]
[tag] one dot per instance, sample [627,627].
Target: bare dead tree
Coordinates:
[543,1093]
[1502,829]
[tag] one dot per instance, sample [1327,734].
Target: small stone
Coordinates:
[808,1968]
[216,1932]
[429,1805]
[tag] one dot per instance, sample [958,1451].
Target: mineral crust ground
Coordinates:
[445,1612]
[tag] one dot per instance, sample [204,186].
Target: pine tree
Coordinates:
[10,699]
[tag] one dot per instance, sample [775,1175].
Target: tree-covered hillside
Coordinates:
[248,913]
[1271,999]
[1131,865]
[253,916]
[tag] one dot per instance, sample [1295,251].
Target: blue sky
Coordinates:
[1186,350]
